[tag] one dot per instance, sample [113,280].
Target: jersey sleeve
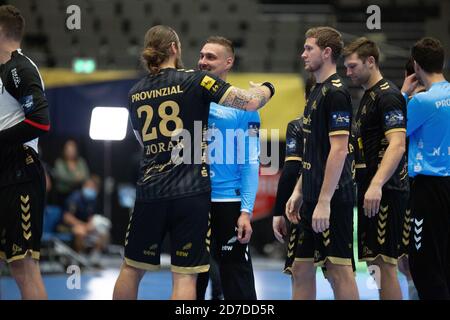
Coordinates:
[29,92]
[294,141]
[213,88]
[339,110]
[286,184]
[417,113]
[393,112]
[32,98]
[250,123]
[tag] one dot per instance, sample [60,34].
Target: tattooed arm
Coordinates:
[250,100]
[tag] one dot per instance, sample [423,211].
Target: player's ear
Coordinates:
[371,60]
[417,68]
[174,48]
[326,53]
[230,62]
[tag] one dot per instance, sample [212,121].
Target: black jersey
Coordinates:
[294,140]
[23,112]
[292,165]
[328,112]
[169,112]
[382,110]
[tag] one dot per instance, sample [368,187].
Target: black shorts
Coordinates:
[187,220]
[382,235]
[291,249]
[227,248]
[21,211]
[406,227]
[335,244]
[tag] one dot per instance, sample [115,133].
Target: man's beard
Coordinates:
[315,68]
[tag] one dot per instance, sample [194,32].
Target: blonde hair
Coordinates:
[228,44]
[157,44]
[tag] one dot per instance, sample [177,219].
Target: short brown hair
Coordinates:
[157,43]
[429,54]
[12,22]
[327,37]
[222,41]
[364,48]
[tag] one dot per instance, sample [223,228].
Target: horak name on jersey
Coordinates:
[150,94]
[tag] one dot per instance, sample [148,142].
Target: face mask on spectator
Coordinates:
[89,193]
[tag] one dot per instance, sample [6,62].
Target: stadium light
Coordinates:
[108,124]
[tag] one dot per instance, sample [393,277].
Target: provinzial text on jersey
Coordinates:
[150,94]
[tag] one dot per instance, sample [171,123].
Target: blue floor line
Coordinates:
[270,285]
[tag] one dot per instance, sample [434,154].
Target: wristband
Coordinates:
[271,88]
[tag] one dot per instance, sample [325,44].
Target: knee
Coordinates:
[386,270]
[303,271]
[132,273]
[23,270]
[337,274]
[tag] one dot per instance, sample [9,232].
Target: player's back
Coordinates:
[169,112]
[429,141]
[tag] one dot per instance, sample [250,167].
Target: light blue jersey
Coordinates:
[428,128]
[233,154]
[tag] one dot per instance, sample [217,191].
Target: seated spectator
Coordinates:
[90,229]
[70,171]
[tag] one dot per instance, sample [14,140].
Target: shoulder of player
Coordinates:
[335,84]
[295,125]
[188,70]
[337,90]
[386,87]
[23,63]
[20,66]
[424,97]
[138,86]
[242,115]
[296,122]
[388,90]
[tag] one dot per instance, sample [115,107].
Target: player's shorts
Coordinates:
[334,245]
[406,227]
[224,217]
[383,235]
[187,220]
[22,201]
[291,249]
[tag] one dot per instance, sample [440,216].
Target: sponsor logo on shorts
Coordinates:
[151,251]
[183,252]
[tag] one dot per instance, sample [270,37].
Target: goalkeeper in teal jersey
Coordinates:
[234,166]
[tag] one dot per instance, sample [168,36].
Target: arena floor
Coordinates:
[271,284]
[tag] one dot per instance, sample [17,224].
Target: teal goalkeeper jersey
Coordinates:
[233,154]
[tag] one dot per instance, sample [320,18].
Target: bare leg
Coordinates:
[27,274]
[184,286]
[303,280]
[342,281]
[390,287]
[127,283]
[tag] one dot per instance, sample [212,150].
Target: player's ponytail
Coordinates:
[157,47]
